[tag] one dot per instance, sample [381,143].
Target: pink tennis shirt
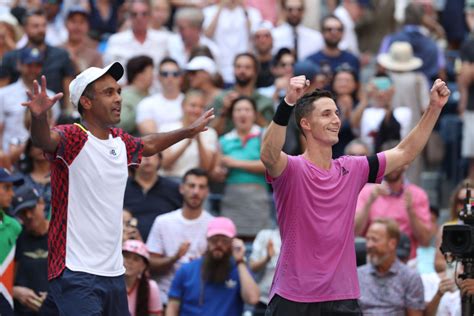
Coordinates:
[315,211]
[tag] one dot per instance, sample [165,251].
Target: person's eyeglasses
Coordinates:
[299,9]
[332,29]
[166,74]
[135,14]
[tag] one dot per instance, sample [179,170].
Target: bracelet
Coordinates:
[283,113]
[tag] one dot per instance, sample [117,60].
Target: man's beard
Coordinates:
[37,40]
[243,82]
[216,270]
[331,44]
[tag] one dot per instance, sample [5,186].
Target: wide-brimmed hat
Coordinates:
[400,58]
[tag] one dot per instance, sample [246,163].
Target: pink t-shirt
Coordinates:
[315,209]
[395,207]
[154,302]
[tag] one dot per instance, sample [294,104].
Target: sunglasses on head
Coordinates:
[175,74]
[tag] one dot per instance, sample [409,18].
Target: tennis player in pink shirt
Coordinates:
[316,198]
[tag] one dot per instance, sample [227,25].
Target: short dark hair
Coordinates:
[89,93]
[413,14]
[256,64]
[242,98]
[30,13]
[330,16]
[168,60]
[279,55]
[198,172]
[137,65]
[305,105]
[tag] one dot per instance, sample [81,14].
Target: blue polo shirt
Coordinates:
[209,298]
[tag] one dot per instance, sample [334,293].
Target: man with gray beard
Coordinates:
[387,286]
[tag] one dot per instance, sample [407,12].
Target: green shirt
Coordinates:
[9,231]
[130,98]
[232,145]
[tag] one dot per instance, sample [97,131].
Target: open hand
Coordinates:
[439,94]
[238,249]
[40,102]
[200,125]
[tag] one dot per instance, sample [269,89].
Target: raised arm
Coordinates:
[271,154]
[412,145]
[39,103]
[157,142]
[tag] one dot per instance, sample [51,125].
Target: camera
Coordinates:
[458,240]
[458,245]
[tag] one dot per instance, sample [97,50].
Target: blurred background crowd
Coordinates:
[379,58]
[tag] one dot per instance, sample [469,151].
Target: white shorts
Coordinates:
[468,135]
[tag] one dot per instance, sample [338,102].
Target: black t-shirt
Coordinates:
[265,77]
[31,266]
[467,54]
[163,197]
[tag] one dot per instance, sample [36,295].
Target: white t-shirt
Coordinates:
[349,38]
[161,110]
[190,157]
[231,34]
[123,46]
[309,41]
[12,113]
[259,251]
[178,52]
[166,235]
[373,117]
[450,303]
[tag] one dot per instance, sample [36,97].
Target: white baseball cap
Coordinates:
[202,63]
[82,80]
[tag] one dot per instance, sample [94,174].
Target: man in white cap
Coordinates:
[88,178]
[203,75]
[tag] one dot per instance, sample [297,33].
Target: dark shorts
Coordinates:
[79,293]
[280,306]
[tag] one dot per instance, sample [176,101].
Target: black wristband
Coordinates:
[283,113]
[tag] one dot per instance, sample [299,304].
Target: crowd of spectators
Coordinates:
[194,213]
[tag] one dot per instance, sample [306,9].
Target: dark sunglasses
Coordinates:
[332,29]
[166,74]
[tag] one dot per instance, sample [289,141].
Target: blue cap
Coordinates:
[30,55]
[25,197]
[306,68]
[7,177]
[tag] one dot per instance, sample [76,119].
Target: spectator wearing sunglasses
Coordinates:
[140,39]
[165,107]
[333,31]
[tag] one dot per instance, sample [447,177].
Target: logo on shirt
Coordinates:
[37,254]
[344,171]
[113,152]
[230,284]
